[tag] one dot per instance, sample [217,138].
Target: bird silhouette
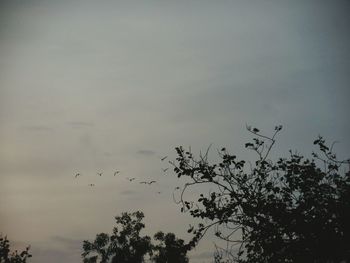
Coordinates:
[116,172]
[100,174]
[131,179]
[177,188]
[91,184]
[77,174]
[163,158]
[149,183]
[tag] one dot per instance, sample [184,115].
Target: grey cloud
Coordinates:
[69,243]
[107,154]
[54,255]
[57,249]
[86,140]
[80,124]
[146,152]
[127,192]
[37,128]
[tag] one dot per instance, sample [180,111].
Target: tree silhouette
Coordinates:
[294,209]
[6,256]
[170,249]
[126,245]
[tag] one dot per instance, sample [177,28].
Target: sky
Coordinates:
[99,86]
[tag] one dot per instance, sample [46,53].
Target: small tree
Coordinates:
[6,256]
[125,245]
[289,210]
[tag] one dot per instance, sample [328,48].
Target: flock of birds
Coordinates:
[117,172]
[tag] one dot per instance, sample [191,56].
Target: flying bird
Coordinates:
[149,183]
[116,172]
[163,158]
[100,174]
[91,184]
[131,179]
[77,174]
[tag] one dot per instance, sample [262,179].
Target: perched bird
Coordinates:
[77,174]
[100,174]
[116,172]
[163,158]
[91,184]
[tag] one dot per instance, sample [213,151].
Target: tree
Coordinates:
[126,245]
[170,249]
[293,209]
[6,256]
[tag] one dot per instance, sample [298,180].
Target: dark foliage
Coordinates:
[6,256]
[170,249]
[294,209]
[126,245]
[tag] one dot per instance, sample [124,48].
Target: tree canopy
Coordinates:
[6,256]
[293,209]
[126,245]
[170,249]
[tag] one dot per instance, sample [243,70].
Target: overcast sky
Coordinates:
[100,86]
